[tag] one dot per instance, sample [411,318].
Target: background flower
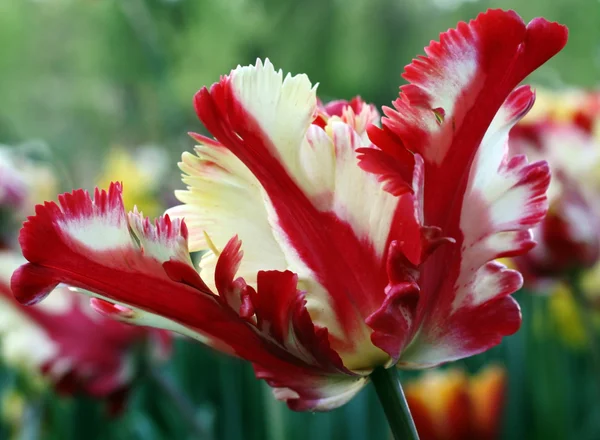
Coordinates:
[74,348]
[144,173]
[563,129]
[465,407]
[48,339]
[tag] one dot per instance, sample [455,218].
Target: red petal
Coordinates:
[235,292]
[318,238]
[91,354]
[451,115]
[118,270]
[127,267]
[391,161]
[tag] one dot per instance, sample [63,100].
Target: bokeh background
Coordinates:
[85,83]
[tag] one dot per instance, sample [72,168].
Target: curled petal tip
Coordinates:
[111,310]
[30,284]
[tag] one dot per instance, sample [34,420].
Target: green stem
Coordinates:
[585,311]
[394,403]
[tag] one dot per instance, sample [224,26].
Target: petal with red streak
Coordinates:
[220,192]
[128,274]
[504,197]
[329,237]
[450,114]
[121,267]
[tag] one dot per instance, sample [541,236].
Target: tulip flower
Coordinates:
[333,254]
[66,341]
[564,129]
[463,407]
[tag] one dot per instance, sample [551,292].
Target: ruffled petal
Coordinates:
[450,115]
[140,273]
[312,393]
[567,238]
[93,245]
[559,132]
[505,197]
[330,218]
[223,199]
[455,92]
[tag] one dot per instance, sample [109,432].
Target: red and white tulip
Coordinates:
[332,251]
[66,341]
[564,129]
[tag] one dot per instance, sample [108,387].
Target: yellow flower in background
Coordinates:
[142,172]
[566,314]
[591,286]
[12,407]
[557,105]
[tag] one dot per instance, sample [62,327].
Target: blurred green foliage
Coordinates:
[82,76]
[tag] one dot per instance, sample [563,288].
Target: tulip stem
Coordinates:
[586,318]
[394,403]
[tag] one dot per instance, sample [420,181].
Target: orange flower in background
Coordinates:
[451,405]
